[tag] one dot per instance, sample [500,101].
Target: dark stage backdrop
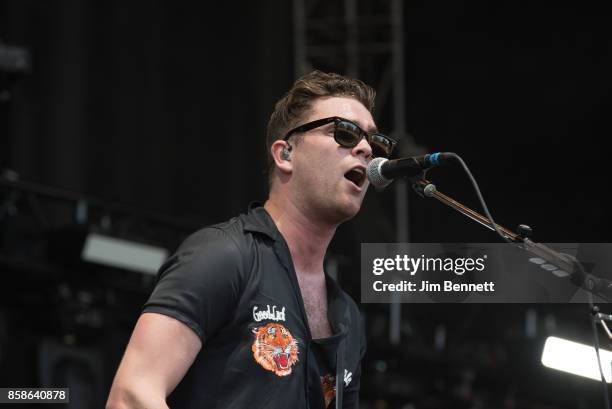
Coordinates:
[159,104]
[164,106]
[523,92]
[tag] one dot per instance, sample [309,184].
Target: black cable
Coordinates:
[575,261]
[592,308]
[596,344]
[480,198]
[592,312]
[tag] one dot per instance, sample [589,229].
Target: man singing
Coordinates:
[243,314]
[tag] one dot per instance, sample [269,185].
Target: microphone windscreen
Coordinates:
[374,173]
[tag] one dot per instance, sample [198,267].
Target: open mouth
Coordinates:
[357,176]
[281,360]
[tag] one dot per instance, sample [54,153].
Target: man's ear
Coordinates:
[281,153]
[285,155]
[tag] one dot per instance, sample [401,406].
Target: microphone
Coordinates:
[381,171]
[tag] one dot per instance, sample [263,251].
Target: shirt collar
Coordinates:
[258,220]
[337,308]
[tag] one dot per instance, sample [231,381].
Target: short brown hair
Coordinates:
[290,109]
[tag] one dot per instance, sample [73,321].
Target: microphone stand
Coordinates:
[595,285]
[602,318]
[569,264]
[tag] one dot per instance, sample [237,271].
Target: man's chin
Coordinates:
[344,208]
[348,210]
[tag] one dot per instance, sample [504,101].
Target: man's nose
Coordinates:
[362,148]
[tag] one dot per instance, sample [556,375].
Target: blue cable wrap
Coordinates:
[434,158]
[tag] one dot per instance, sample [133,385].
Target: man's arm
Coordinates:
[159,353]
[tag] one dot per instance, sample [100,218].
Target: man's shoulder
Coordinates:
[236,230]
[228,232]
[210,250]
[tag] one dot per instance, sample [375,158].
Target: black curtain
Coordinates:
[162,105]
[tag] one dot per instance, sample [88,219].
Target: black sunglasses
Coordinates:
[348,134]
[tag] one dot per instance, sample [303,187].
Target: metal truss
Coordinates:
[363,39]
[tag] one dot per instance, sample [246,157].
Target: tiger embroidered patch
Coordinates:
[328,383]
[275,349]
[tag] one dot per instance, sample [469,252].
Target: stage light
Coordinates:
[121,253]
[575,358]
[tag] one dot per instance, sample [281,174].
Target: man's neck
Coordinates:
[306,237]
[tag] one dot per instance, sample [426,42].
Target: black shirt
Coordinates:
[234,284]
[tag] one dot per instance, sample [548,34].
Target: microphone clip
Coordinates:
[423,187]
